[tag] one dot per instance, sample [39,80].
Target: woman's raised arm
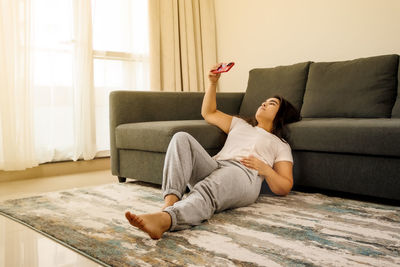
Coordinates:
[209,107]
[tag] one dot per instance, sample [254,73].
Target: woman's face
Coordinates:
[268,109]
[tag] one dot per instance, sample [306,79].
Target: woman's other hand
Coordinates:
[254,163]
[214,77]
[279,178]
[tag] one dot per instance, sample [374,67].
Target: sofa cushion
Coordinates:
[287,81]
[360,88]
[396,108]
[155,136]
[346,135]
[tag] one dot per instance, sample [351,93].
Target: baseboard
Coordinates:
[57,168]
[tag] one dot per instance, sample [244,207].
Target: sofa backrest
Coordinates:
[360,88]
[287,81]
[396,108]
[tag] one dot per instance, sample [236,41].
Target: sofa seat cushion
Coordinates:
[346,135]
[155,136]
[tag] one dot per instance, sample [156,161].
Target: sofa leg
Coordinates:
[121,179]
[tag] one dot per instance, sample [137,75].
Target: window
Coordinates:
[120,60]
[120,44]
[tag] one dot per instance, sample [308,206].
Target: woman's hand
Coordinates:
[214,77]
[279,178]
[254,163]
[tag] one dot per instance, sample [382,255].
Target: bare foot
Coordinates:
[154,224]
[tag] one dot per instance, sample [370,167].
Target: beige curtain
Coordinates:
[182,44]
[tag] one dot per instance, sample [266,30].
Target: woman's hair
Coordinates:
[287,113]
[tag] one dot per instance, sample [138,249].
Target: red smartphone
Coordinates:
[224,68]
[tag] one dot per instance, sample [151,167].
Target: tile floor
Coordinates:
[21,246]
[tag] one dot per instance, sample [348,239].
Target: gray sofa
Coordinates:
[347,141]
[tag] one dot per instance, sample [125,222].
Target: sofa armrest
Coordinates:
[142,106]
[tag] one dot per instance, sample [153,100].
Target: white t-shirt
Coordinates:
[245,140]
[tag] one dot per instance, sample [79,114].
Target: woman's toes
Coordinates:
[138,221]
[134,220]
[128,215]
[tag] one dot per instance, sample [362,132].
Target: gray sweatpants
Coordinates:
[214,185]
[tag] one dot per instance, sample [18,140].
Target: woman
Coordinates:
[230,179]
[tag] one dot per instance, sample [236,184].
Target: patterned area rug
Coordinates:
[301,229]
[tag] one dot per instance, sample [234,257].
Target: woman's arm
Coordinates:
[279,178]
[209,107]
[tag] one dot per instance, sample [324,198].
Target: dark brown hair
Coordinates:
[287,113]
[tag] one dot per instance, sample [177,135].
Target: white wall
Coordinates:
[268,33]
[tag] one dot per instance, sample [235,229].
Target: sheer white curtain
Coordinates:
[63,80]
[16,125]
[84,101]
[59,60]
